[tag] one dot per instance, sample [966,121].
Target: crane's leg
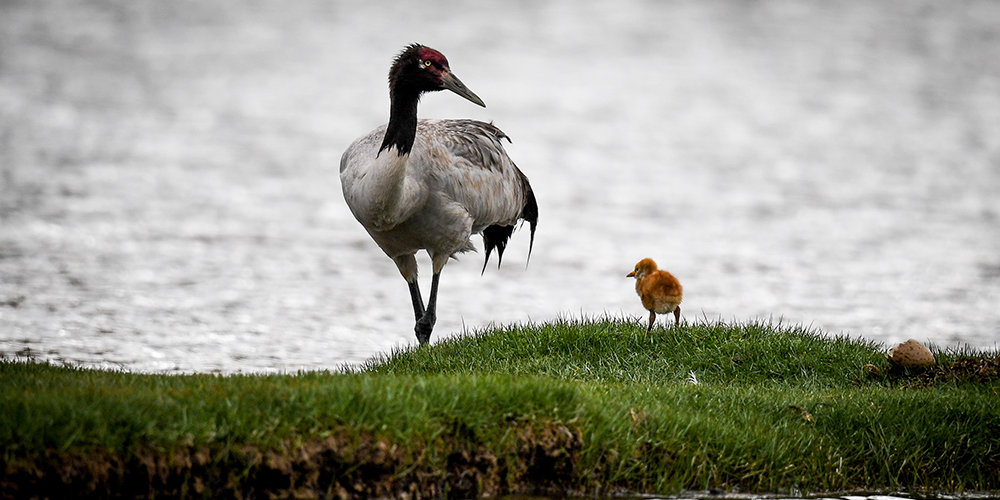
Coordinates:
[407,265]
[418,301]
[677,316]
[652,318]
[426,322]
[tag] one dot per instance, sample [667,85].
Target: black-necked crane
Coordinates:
[659,291]
[431,184]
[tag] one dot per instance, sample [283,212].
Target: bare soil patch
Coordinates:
[345,466]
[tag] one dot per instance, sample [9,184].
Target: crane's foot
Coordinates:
[424,327]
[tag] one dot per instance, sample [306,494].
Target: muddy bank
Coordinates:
[541,460]
[962,370]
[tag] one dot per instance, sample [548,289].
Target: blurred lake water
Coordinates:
[170,200]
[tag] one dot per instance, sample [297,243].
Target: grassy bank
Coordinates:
[588,407]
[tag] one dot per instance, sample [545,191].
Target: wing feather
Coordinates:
[473,169]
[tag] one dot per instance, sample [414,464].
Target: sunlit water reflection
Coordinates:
[172,198]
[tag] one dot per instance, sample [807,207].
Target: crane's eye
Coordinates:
[428,63]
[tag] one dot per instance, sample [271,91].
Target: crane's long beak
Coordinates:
[452,83]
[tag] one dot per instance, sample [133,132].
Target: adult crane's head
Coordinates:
[422,69]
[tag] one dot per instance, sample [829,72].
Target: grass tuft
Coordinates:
[619,351]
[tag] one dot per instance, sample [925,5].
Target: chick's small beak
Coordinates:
[452,83]
[630,275]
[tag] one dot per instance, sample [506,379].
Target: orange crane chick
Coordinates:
[659,290]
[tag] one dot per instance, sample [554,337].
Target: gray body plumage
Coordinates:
[456,181]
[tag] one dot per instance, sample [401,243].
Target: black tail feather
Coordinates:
[497,236]
[529,213]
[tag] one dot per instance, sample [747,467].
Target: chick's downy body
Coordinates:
[659,290]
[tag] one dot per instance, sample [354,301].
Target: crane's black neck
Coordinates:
[402,129]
